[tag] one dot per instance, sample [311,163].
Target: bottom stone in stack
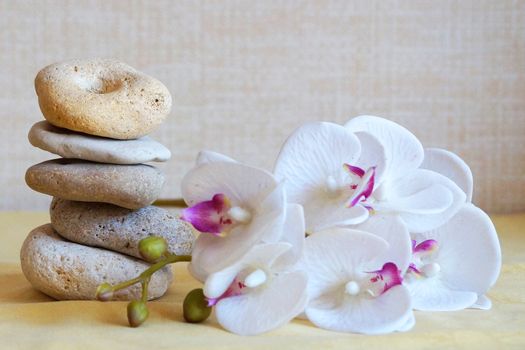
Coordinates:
[66,270]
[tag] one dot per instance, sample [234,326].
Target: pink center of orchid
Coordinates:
[379,283]
[359,187]
[241,285]
[422,264]
[216,216]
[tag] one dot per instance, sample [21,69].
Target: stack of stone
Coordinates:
[102,192]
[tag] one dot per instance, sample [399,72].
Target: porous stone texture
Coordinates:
[70,144]
[119,229]
[128,186]
[70,271]
[102,97]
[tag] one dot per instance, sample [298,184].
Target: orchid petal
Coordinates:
[324,215]
[372,155]
[330,257]
[431,294]
[293,233]
[275,205]
[422,199]
[260,256]
[403,151]
[212,253]
[409,324]
[383,314]
[264,309]
[218,282]
[451,166]
[312,154]
[243,185]
[431,200]
[483,303]
[393,230]
[469,253]
[212,157]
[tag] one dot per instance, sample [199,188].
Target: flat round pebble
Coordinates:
[70,271]
[70,144]
[128,186]
[119,229]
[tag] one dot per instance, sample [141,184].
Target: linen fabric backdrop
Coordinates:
[245,74]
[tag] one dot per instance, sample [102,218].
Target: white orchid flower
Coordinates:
[424,199]
[322,169]
[234,206]
[339,174]
[454,265]
[353,283]
[264,289]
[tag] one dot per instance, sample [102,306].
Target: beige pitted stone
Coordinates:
[70,144]
[102,97]
[128,186]
[119,229]
[66,270]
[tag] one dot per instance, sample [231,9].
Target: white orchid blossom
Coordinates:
[322,170]
[353,283]
[423,198]
[234,206]
[264,289]
[455,264]
[339,174]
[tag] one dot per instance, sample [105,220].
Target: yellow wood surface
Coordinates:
[31,320]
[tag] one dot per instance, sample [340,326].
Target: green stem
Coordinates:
[145,276]
[145,290]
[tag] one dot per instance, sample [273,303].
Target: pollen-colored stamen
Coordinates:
[240,214]
[255,279]
[352,288]
[331,185]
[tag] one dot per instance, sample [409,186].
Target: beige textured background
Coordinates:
[244,74]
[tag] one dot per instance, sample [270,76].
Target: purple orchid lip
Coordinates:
[389,276]
[426,247]
[236,288]
[362,190]
[354,170]
[421,251]
[209,216]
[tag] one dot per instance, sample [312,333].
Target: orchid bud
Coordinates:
[195,307]
[137,313]
[104,292]
[153,248]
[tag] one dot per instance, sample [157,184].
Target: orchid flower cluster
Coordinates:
[357,226]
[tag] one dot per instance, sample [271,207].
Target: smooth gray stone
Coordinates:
[70,271]
[70,144]
[128,186]
[119,229]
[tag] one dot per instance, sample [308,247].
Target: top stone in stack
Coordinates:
[99,111]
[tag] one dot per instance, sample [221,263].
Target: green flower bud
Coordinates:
[195,306]
[137,313]
[104,292]
[153,248]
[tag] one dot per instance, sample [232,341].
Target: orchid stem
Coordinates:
[145,276]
